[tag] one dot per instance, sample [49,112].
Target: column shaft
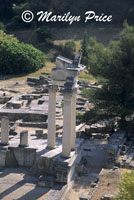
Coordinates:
[73,131]
[4,130]
[67,125]
[52,118]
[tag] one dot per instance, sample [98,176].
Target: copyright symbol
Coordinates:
[27,16]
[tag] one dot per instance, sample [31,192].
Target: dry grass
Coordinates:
[85,76]
[62,42]
[104,35]
[45,69]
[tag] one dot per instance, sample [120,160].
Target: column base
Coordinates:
[50,148]
[66,156]
[20,145]
[73,149]
[4,144]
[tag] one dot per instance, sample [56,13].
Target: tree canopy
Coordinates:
[115,65]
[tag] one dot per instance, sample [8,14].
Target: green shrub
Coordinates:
[2,27]
[126,187]
[70,46]
[18,58]
[4,36]
[68,49]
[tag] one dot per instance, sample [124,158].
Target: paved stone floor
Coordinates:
[40,145]
[16,184]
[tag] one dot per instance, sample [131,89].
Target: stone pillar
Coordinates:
[73,131]
[4,131]
[23,139]
[67,125]
[52,117]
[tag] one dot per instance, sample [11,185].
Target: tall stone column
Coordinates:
[73,131]
[67,125]
[52,117]
[4,131]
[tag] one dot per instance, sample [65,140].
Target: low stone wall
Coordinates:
[24,114]
[115,142]
[4,99]
[50,164]
[17,156]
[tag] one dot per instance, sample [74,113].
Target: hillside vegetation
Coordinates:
[120,9]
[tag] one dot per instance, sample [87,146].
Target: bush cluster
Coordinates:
[16,57]
[68,49]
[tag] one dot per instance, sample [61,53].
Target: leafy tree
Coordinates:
[70,46]
[9,37]
[126,187]
[68,49]
[115,99]
[85,49]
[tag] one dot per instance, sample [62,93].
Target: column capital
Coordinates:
[5,117]
[70,94]
[52,88]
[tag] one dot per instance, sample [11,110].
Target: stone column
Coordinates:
[4,131]
[52,117]
[67,125]
[73,131]
[23,139]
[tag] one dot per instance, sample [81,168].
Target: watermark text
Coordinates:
[45,16]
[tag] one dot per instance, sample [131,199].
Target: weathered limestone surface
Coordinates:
[67,125]
[39,133]
[46,181]
[4,131]
[23,139]
[60,168]
[73,131]
[10,159]
[2,158]
[4,99]
[84,197]
[115,143]
[25,114]
[14,104]
[52,117]
[25,157]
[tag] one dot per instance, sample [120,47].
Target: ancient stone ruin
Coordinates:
[39,132]
[45,154]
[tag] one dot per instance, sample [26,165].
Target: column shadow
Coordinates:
[33,194]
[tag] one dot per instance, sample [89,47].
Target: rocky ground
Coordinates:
[107,185]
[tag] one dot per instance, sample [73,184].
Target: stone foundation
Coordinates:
[24,114]
[42,161]
[52,164]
